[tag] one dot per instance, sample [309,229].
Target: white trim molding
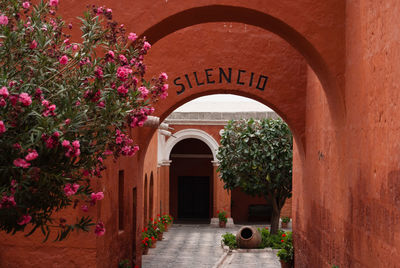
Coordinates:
[187,134]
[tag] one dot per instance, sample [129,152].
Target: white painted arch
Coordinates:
[187,134]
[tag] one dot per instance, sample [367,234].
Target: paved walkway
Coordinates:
[186,246]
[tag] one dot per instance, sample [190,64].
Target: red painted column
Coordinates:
[164,183]
[222,199]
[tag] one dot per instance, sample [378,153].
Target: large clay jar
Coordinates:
[248,237]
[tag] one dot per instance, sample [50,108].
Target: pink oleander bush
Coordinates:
[65,107]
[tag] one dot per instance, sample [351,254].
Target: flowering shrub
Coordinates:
[166,219]
[286,253]
[147,238]
[285,219]
[65,107]
[222,216]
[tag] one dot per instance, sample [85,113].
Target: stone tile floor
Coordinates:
[199,245]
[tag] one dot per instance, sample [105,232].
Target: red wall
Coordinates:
[343,115]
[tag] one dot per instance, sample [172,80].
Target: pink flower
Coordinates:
[67,121]
[164,95]
[64,60]
[2,103]
[146,46]
[132,37]
[53,3]
[97,196]
[25,99]
[33,44]
[101,104]
[143,92]
[4,92]
[3,20]
[71,189]
[84,208]
[98,72]
[99,230]
[2,127]
[19,162]
[75,47]
[65,143]
[123,59]
[122,90]
[25,219]
[45,103]
[31,156]
[122,73]
[111,54]
[26,5]
[76,144]
[7,202]
[163,77]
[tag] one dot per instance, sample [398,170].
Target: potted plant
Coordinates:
[222,218]
[167,220]
[285,221]
[160,230]
[286,253]
[146,241]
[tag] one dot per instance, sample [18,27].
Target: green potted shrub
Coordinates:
[222,218]
[285,222]
[229,240]
[147,240]
[286,253]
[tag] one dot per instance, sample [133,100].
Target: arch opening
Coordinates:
[191,181]
[226,13]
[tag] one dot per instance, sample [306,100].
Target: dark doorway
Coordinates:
[193,197]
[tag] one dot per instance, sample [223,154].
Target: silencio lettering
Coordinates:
[219,76]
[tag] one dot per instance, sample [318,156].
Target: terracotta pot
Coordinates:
[145,251]
[166,227]
[248,237]
[284,224]
[222,224]
[153,245]
[159,236]
[285,264]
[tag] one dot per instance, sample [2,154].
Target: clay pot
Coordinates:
[153,245]
[248,237]
[284,224]
[145,251]
[159,236]
[166,227]
[222,224]
[285,264]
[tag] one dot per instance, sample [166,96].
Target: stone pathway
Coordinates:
[186,246]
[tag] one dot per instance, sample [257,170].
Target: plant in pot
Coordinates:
[285,222]
[286,253]
[160,230]
[167,221]
[222,218]
[146,241]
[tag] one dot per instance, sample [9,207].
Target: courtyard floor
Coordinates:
[199,245]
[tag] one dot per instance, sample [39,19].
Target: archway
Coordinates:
[191,181]
[286,90]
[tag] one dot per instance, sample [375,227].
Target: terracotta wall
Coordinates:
[344,117]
